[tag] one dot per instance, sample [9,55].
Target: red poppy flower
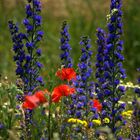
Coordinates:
[64,90]
[33,101]
[41,96]
[61,90]
[30,102]
[97,105]
[29,105]
[56,97]
[66,74]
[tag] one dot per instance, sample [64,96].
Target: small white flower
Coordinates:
[53,115]
[129,102]
[121,102]
[5,77]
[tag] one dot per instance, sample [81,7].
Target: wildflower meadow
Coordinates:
[78,99]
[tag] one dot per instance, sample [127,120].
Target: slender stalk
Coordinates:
[49,119]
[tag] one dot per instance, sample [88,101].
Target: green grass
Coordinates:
[81,23]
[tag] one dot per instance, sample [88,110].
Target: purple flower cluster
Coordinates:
[18,48]
[65,46]
[101,43]
[66,62]
[110,69]
[25,46]
[27,54]
[83,99]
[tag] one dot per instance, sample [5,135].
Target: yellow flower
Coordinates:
[71,120]
[97,122]
[106,120]
[130,111]
[85,123]
[126,114]
[82,122]
[79,121]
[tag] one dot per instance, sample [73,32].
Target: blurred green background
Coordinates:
[84,16]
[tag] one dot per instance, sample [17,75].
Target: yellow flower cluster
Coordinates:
[106,120]
[72,120]
[96,122]
[127,113]
[84,123]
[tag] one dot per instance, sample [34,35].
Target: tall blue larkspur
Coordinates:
[101,43]
[84,87]
[65,46]
[113,69]
[27,54]
[25,46]
[82,101]
[66,62]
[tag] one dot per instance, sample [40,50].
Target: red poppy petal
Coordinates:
[29,105]
[66,74]
[57,92]
[56,98]
[41,96]
[32,99]
[66,90]
[97,105]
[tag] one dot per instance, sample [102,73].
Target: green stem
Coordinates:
[61,117]
[49,119]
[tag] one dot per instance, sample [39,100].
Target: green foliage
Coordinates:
[9,115]
[81,23]
[132,37]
